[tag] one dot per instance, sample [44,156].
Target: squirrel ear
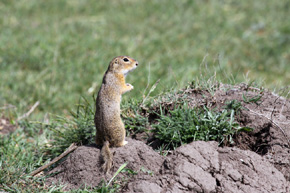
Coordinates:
[115,63]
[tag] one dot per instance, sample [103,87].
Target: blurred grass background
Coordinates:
[56,51]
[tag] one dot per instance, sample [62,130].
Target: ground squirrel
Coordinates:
[109,126]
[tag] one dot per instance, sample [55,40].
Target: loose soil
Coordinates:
[258,161]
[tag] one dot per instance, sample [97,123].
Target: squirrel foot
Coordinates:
[124,143]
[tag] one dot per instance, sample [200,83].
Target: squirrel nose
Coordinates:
[136,63]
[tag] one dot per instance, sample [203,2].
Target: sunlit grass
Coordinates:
[55,51]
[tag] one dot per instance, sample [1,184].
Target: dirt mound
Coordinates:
[83,166]
[258,161]
[266,112]
[270,118]
[196,167]
[205,167]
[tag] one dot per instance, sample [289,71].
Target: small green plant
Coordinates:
[234,105]
[145,170]
[136,124]
[103,187]
[254,99]
[163,149]
[118,171]
[129,171]
[134,121]
[184,125]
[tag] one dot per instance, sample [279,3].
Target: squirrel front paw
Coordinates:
[129,86]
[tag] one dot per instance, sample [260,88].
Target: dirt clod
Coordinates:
[5,126]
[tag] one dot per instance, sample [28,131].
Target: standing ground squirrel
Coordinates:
[109,125]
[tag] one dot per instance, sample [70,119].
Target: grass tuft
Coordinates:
[79,129]
[184,125]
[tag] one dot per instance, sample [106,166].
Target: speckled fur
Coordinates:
[109,125]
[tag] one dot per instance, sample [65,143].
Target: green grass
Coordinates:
[184,125]
[20,155]
[55,51]
[79,129]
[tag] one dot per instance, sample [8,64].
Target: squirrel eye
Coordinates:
[126,60]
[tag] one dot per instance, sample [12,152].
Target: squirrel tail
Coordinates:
[107,157]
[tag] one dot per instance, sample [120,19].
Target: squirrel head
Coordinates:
[122,65]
